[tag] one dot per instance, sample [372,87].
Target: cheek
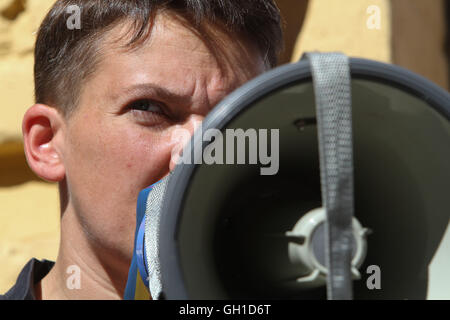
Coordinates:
[144,159]
[134,159]
[119,162]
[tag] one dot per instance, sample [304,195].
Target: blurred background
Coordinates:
[411,33]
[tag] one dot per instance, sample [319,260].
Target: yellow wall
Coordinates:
[29,227]
[29,217]
[336,25]
[29,214]
[419,29]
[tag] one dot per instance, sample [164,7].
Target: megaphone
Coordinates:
[227,231]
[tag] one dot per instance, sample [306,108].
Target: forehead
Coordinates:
[178,58]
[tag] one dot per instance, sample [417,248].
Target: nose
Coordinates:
[193,123]
[181,135]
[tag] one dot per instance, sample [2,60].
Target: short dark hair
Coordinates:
[64,58]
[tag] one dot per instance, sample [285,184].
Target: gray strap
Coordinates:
[152,221]
[332,88]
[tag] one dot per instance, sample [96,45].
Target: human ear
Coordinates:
[42,129]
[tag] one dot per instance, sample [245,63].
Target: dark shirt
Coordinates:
[33,272]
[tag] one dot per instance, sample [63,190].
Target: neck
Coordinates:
[83,270]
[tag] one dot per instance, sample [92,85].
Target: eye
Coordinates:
[148,112]
[146,105]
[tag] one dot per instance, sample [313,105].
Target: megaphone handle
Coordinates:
[332,90]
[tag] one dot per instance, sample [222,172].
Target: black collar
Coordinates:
[33,272]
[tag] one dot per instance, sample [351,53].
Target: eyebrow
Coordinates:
[162,93]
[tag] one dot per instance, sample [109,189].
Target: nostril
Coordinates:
[175,157]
